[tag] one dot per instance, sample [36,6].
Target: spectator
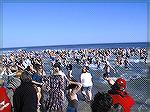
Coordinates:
[25,97]
[102,102]
[55,100]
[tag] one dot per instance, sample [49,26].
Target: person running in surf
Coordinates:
[107,68]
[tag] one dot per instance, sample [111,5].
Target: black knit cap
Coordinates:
[26,76]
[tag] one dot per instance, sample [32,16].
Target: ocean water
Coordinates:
[84,46]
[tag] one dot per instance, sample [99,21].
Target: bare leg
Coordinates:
[84,95]
[89,94]
[39,94]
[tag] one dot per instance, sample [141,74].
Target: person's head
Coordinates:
[13,68]
[26,76]
[19,73]
[56,67]
[84,69]
[102,102]
[28,68]
[120,84]
[40,70]
[105,75]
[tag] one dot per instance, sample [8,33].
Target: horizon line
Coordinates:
[70,45]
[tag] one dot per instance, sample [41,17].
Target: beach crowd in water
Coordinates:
[25,86]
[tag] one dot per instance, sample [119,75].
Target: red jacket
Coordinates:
[125,101]
[3,96]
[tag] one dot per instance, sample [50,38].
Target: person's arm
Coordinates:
[70,67]
[91,78]
[112,68]
[38,62]
[32,69]
[44,73]
[66,78]
[79,85]
[81,79]
[37,83]
[110,81]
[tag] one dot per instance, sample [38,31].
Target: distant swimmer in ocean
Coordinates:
[118,61]
[126,63]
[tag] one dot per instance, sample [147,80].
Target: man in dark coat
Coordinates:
[25,96]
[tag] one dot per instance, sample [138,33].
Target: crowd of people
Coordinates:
[26,87]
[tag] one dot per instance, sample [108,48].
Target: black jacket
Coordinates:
[25,98]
